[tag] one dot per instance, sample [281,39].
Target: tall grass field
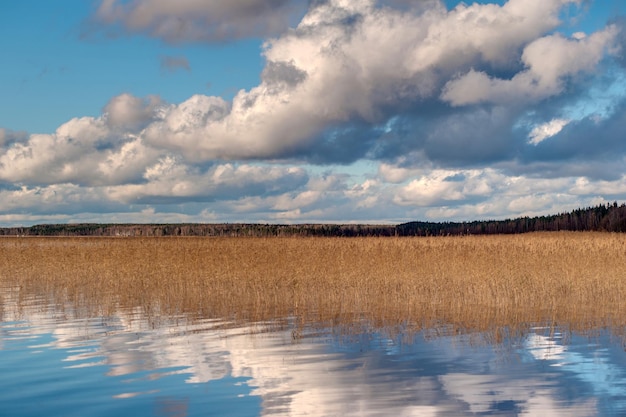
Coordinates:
[469,282]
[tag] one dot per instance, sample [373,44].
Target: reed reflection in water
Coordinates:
[527,325]
[63,364]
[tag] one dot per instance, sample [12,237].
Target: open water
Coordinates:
[53,362]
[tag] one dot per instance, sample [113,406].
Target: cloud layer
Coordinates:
[194,20]
[482,111]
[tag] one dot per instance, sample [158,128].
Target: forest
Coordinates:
[609,217]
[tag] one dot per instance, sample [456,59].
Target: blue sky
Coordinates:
[63,67]
[296,111]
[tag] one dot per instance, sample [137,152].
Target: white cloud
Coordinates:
[81,151]
[548,60]
[446,186]
[354,61]
[553,57]
[233,193]
[434,97]
[129,112]
[486,32]
[303,199]
[326,72]
[536,202]
[586,186]
[51,201]
[546,130]
[126,163]
[397,174]
[170,179]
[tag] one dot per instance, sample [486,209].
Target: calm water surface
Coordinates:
[54,363]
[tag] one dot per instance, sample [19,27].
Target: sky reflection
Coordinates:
[175,366]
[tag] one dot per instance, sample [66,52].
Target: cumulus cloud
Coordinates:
[60,200]
[169,180]
[480,110]
[82,151]
[130,113]
[332,84]
[9,137]
[394,173]
[549,60]
[442,186]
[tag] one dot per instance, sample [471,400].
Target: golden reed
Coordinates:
[470,282]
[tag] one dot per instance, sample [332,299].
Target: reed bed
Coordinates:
[470,283]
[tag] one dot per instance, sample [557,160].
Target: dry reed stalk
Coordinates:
[470,282]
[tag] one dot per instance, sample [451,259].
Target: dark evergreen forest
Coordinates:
[609,217]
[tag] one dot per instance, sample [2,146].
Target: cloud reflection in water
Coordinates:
[168,362]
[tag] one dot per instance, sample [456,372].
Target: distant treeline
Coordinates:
[604,217]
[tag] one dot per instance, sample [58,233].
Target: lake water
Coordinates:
[56,362]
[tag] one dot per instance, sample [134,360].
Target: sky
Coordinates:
[301,111]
